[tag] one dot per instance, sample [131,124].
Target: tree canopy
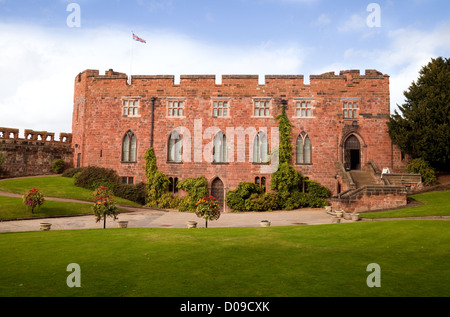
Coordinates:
[422,129]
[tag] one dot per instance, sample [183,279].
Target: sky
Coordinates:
[44,44]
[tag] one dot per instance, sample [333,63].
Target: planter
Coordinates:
[264,223]
[347,216]
[355,217]
[339,213]
[123,224]
[191,224]
[335,219]
[45,226]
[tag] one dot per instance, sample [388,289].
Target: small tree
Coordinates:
[208,209]
[58,166]
[33,198]
[104,205]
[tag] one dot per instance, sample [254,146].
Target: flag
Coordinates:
[137,38]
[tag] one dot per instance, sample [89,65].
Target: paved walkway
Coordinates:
[140,217]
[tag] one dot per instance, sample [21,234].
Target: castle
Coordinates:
[228,131]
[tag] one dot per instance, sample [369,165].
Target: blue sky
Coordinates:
[40,54]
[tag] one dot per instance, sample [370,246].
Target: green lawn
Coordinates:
[326,260]
[61,187]
[13,208]
[434,204]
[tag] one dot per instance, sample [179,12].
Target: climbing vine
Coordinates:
[157,181]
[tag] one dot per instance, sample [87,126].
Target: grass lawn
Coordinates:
[13,208]
[53,186]
[434,204]
[325,260]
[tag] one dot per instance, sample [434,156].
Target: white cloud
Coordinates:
[39,65]
[355,23]
[407,52]
[322,20]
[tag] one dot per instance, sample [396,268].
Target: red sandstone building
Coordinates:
[227,132]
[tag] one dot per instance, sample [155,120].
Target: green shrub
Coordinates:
[92,177]
[295,201]
[316,202]
[196,189]
[168,200]
[236,198]
[317,190]
[422,167]
[262,202]
[133,192]
[70,172]
[58,166]
[286,180]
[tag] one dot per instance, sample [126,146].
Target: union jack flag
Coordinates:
[137,38]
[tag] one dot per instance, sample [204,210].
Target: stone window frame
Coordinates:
[266,108]
[171,107]
[261,182]
[135,108]
[127,156]
[299,110]
[353,110]
[175,148]
[301,157]
[215,105]
[173,181]
[261,153]
[127,179]
[220,148]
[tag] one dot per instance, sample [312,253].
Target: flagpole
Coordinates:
[131,56]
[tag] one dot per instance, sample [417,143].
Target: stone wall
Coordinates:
[33,154]
[371,198]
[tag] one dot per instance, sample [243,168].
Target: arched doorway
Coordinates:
[217,190]
[352,153]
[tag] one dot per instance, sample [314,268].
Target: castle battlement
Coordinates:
[218,80]
[31,135]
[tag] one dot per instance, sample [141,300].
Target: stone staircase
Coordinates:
[367,191]
[362,178]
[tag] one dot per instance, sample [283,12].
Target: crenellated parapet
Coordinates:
[32,135]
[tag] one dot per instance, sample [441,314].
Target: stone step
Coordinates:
[362,178]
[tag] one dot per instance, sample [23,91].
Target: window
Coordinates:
[220,148]
[129,147]
[260,149]
[262,108]
[173,182]
[175,108]
[127,180]
[261,183]
[303,149]
[220,109]
[175,147]
[303,109]
[130,108]
[350,110]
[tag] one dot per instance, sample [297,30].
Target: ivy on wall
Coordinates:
[157,181]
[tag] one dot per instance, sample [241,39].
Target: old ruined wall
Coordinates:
[33,154]
[99,125]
